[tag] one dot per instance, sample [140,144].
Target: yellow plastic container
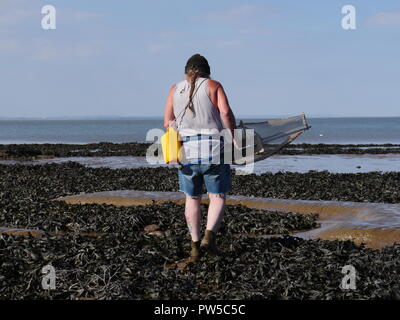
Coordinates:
[171,146]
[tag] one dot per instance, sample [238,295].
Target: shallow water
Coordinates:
[337,163]
[340,163]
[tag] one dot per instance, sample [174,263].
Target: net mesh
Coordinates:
[270,137]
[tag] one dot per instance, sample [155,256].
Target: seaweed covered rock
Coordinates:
[55,180]
[21,151]
[103,149]
[321,148]
[94,218]
[125,262]
[133,267]
[100,149]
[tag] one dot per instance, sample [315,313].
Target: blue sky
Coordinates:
[273,58]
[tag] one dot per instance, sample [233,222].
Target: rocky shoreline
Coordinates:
[104,149]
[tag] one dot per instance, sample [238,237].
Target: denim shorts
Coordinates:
[216,177]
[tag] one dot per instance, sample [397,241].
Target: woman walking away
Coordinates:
[199,108]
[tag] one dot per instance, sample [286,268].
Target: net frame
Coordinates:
[284,131]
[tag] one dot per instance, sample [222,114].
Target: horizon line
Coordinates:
[161,117]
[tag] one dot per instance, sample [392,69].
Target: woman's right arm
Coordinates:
[169,108]
[220,100]
[225,110]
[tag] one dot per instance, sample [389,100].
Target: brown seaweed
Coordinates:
[128,262]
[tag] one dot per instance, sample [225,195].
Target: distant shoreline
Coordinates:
[138,149]
[243,117]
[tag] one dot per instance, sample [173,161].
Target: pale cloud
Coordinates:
[75,16]
[157,47]
[238,15]
[172,35]
[45,50]
[12,39]
[229,43]
[80,15]
[384,19]
[234,14]
[11,17]
[165,41]
[8,46]
[7,3]
[256,31]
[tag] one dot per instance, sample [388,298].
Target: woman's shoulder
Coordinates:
[213,84]
[181,84]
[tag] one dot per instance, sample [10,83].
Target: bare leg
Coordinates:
[215,211]
[192,214]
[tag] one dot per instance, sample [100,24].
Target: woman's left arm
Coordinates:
[169,107]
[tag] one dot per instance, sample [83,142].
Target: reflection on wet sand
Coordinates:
[41,233]
[22,232]
[372,238]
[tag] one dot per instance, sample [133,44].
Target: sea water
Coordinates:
[324,130]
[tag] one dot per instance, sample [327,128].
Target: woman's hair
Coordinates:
[194,74]
[197,66]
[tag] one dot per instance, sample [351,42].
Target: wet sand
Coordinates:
[372,238]
[375,224]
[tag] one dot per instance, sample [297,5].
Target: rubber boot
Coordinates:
[195,252]
[209,243]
